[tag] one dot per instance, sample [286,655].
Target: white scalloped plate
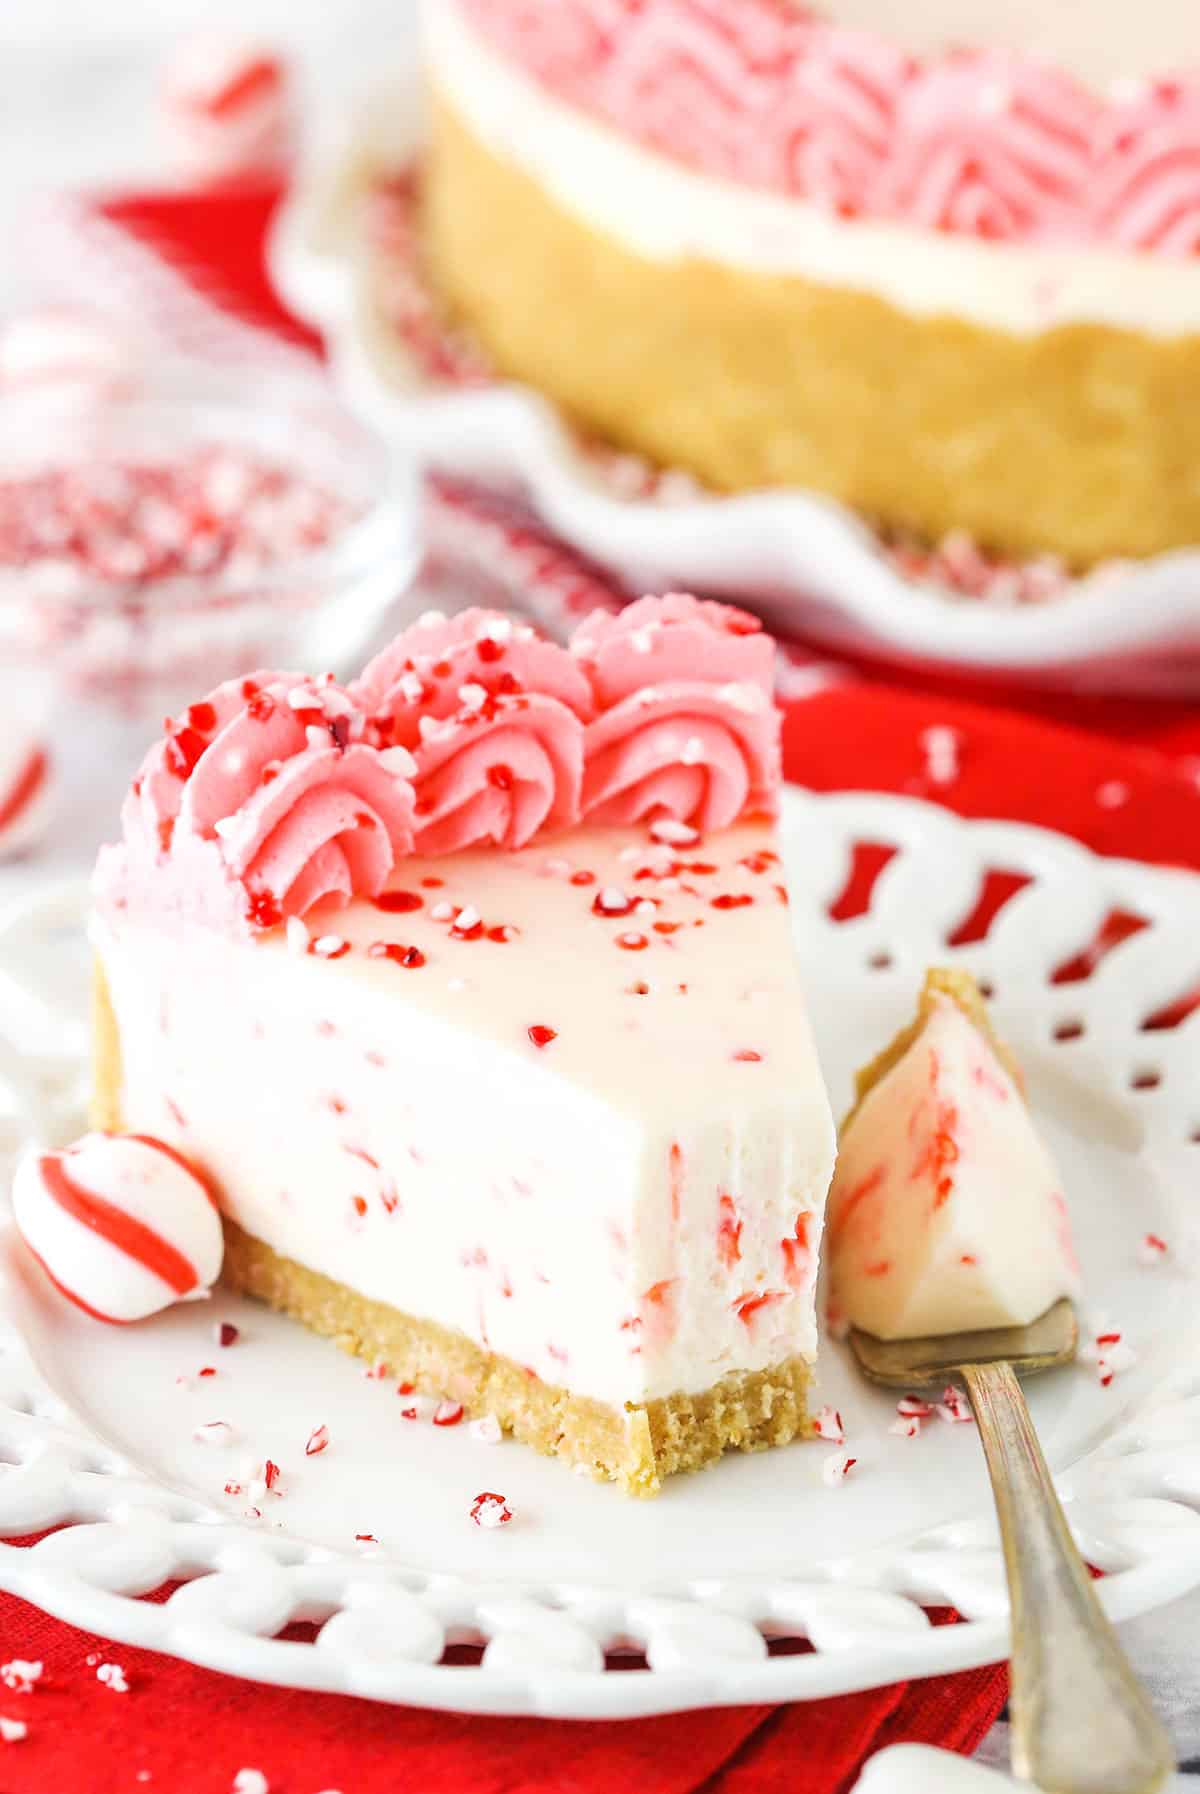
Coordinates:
[810,564]
[99,1436]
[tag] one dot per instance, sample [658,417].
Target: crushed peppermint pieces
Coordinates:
[12,1730]
[941,746]
[21,1675]
[836,1469]
[448,1414]
[486,1429]
[1109,1351]
[954,1408]
[490,1511]
[111,1675]
[214,1432]
[827,1424]
[329,946]
[1152,1250]
[669,832]
[911,1407]
[251,1781]
[318,1441]
[911,1413]
[540,1035]
[226,1334]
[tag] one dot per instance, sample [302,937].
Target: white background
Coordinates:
[79,79]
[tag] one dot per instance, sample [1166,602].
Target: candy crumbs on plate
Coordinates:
[447,1414]
[21,1675]
[1152,1250]
[111,1675]
[836,1469]
[954,1407]
[906,1428]
[827,1425]
[489,1510]
[317,1441]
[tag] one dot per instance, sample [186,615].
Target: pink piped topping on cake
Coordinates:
[261,802]
[494,717]
[279,793]
[688,728]
[974,142]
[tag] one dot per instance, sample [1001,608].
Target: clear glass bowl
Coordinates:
[102,660]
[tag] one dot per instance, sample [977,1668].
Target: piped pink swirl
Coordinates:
[990,146]
[974,142]
[494,717]
[687,726]
[263,801]
[279,793]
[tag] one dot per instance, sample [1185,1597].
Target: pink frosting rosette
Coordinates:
[493,715]
[993,145]
[1146,194]
[262,801]
[687,725]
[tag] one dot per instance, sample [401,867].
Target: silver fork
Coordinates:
[1081,1721]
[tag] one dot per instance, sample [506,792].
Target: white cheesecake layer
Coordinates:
[631,1210]
[946,1213]
[665,212]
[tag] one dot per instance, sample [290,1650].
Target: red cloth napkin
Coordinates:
[188,1730]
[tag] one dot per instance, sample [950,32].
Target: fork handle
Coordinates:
[1081,1722]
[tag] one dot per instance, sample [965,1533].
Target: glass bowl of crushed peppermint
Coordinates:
[153,545]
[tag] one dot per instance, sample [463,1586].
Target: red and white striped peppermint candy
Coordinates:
[63,345]
[229,109]
[27,791]
[121,1224]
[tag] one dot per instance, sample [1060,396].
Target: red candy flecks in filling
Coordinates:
[399,903]
[729,1232]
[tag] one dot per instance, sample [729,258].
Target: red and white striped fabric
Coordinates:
[120,1223]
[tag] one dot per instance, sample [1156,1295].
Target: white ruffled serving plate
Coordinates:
[810,564]
[97,1429]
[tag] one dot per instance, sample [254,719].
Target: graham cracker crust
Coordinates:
[637,1446]
[1082,440]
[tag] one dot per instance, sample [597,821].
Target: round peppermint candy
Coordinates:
[120,1223]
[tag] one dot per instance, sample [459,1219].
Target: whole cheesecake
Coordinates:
[939,262]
